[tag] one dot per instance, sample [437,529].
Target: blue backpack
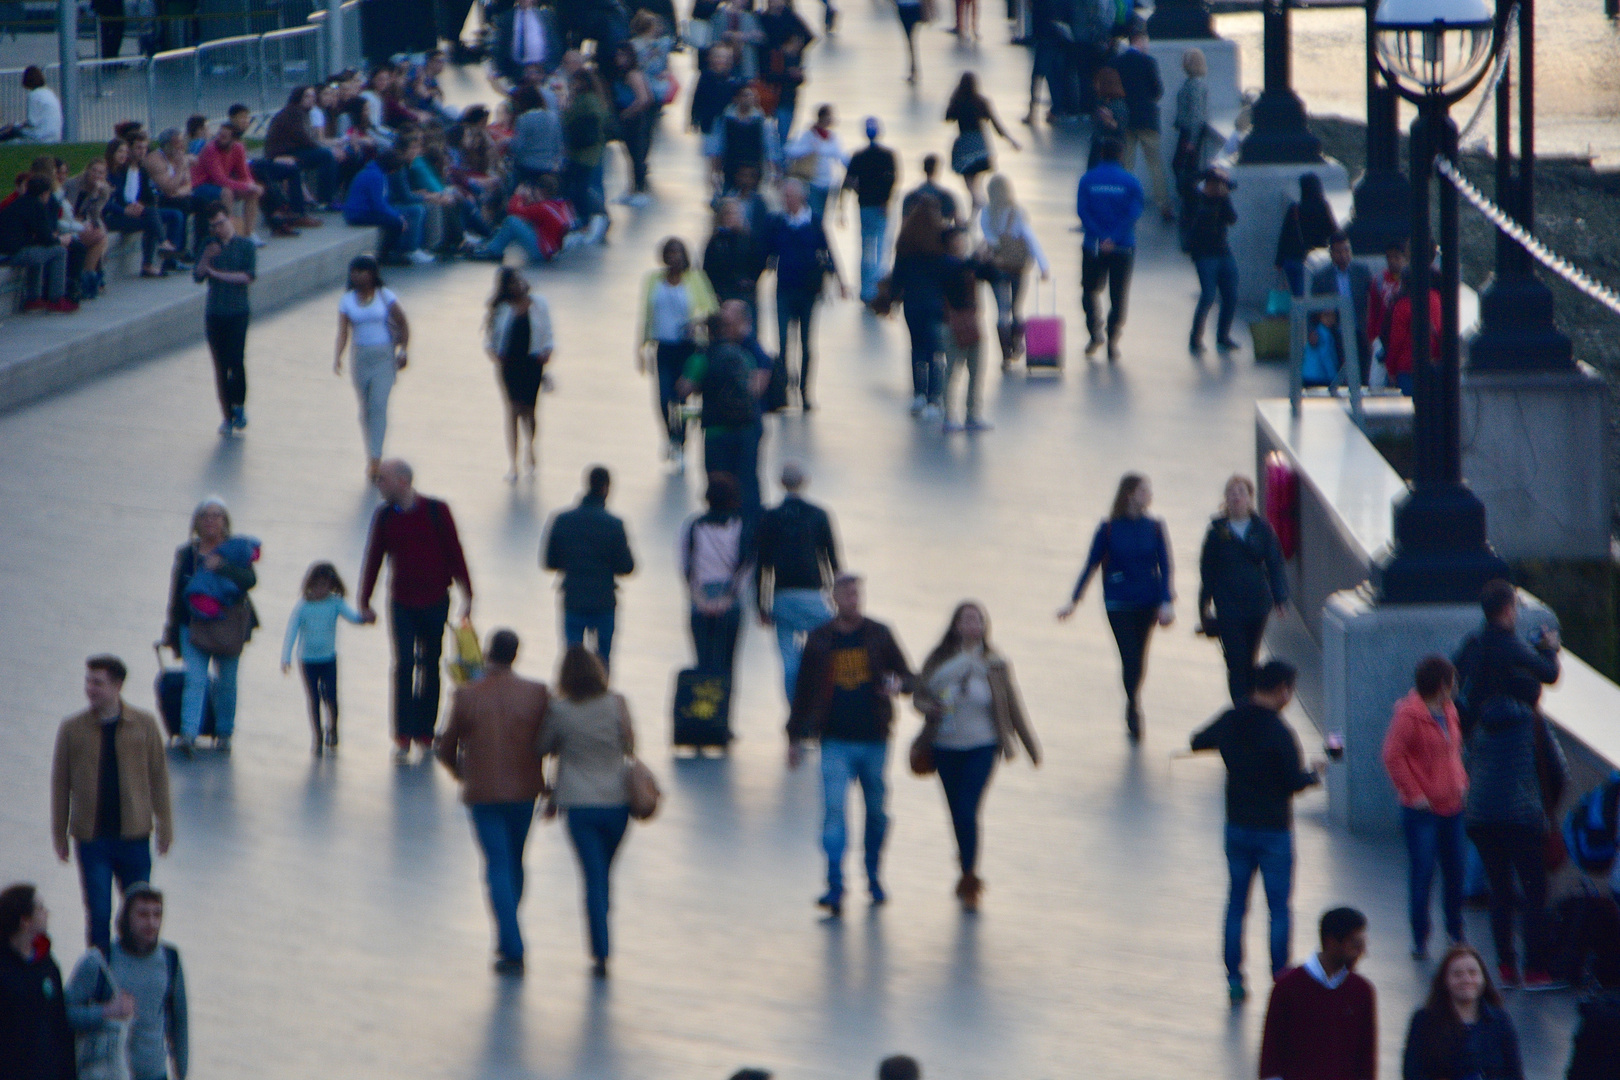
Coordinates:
[1592,825]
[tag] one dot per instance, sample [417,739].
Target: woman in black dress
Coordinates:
[518,341]
[970,110]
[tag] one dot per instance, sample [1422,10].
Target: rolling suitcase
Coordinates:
[1043,336]
[702,708]
[168,688]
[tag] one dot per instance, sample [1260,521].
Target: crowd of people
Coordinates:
[386,151]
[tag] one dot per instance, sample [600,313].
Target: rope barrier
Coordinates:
[1521,236]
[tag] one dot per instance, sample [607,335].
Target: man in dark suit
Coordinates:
[1351,280]
[527,34]
[1139,75]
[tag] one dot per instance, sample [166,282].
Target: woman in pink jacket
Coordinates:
[1423,755]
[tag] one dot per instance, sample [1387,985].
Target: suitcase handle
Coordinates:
[1052,283]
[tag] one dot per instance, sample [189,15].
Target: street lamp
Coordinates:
[1280,135]
[1383,200]
[1433,52]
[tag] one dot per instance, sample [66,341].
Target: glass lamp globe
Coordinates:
[1434,46]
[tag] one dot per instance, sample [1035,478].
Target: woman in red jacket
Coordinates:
[1423,755]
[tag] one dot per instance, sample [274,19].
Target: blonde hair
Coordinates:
[1193,63]
[999,191]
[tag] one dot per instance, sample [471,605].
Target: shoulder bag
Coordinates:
[103,1054]
[641,791]
[224,636]
[921,756]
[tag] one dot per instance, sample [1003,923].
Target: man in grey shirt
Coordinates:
[229,264]
[139,980]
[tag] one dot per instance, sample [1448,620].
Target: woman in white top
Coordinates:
[43,113]
[716,560]
[824,155]
[972,715]
[1009,245]
[676,302]
[372,317]
[518,341]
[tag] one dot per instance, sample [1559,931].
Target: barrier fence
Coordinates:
[258,70]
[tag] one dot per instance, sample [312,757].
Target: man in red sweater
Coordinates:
[1322,1021]
[418,536]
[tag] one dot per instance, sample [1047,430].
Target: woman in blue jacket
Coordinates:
[1133,552]
[1462,1031]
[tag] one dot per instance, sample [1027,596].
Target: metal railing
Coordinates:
[257,70]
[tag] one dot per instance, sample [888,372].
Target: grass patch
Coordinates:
[17,157]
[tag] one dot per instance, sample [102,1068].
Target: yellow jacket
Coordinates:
[700,295]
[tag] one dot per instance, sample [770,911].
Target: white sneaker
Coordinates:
[932,412]
[639,198]
[598,229]
[258,241]
[953,425]
[420,257]
[918,404]
[574,239]
[624,200]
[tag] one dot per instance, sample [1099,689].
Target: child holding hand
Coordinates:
[313,626]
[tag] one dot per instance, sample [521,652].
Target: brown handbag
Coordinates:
[964,326]
[225,635]
[641,790]
[921,757]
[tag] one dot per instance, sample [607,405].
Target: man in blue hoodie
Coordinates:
[1109,202]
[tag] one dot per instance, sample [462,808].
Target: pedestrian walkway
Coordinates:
[332,912]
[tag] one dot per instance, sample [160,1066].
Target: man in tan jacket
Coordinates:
[490,746]
[109,788]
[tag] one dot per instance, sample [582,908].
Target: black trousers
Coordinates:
[227,341]
[1132,627]
[1112,269]
[418,644]
[1240,644]
[112,26]
[1509,852]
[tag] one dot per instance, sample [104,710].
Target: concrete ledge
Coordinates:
[142,318]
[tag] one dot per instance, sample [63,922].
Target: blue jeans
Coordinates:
[1431,839]
[512,230]
[736,451]
[874,240]
[100,861]
[927,373]
[598,623]
[502,829]
[841,762]
[399,235]
[1216,274]
[596,832]
[965,774]
[816,195]
[223,689]
[1270,851]
[796,612]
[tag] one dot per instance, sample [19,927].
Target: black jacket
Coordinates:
[733,261]
[1263,767]
[589,546]
[1244,577]
[1494,662]
[1211,217]
[1487,1051]
[27,222]
[797,549]
[36,1042]
[1139,74]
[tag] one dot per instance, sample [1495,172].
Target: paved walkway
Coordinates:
[331,911]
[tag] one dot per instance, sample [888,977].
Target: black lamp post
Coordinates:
[1383,198]
[1517,332]
[1434,52]
[1181,20]
[1280,135]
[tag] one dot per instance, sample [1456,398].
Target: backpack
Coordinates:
[1590,828]
[727,400]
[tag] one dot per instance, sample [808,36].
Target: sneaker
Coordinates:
[953,425]
[318,747]
[306,222]
[1507,976]
[402,751]
[1094,345]
[1226,344]
[575,239]
[509,965]
[258,241]
[976,424]
[918,404]
[1236,991]
[624,199]
[1420,954]
[223,744]
[239,418]
[420,257]
[932,411]
[1113,352]
[1539,980]
[638,198]
[1195,345]
[1133,722]
[331,737]
[188,748]
[879,897]
[226,427]
[833,901]
[599,968]
[63,306]
[598,229]
[34,305]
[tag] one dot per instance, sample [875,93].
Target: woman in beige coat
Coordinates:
[972,716]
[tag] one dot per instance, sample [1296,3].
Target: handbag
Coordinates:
[964,326]
[103,1054]
[1279,302]
[641,790]
[921,757]
[225,635]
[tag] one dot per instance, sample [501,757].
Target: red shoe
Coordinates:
[1540,980]
[63,306]
[33,305]
[306,222]
[1507,976]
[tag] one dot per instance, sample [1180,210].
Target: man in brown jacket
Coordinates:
[490,745]
[109,786]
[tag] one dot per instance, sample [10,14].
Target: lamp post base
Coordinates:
[1440,555]
[1281,135]
[1517,332]
[1181,20]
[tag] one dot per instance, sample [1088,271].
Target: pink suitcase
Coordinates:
[1043,336]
